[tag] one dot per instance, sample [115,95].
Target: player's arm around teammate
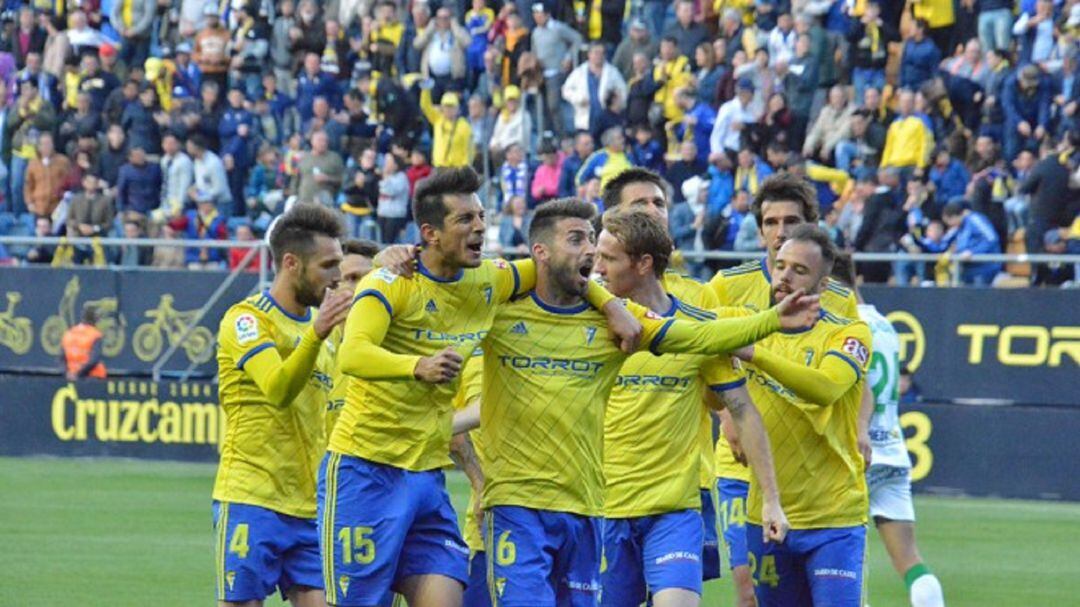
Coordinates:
[625,329]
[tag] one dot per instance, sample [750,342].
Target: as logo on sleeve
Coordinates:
[857,350]
[500,264]
[247,329]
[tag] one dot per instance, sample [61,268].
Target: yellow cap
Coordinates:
[450,100]
[511,92]
[152,68]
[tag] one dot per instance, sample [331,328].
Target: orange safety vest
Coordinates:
[78,342]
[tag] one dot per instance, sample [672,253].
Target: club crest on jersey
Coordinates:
[857,350]
[385,275]
[247,329]
[590,334]
[430,307]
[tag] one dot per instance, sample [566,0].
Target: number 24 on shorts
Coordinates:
[768,574]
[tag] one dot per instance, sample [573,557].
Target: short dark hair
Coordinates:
[549,213]
[612,192]
[89,313]
[786,187]
[952,208]
[198,140]
[360,246]
[843,270]
[296,230]
[429,205]
[810,232]
[641,234]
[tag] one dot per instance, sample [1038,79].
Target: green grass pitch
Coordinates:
[120,532]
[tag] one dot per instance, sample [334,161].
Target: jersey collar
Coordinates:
[558,309]
[423,270]
[306,317]
[765,269]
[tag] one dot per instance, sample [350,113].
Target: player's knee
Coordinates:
[676,597]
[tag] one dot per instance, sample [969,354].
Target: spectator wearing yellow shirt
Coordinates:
[939,16]
[672,72]
[452,145]
[908,142]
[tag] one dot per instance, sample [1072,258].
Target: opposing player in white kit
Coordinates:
[889,475]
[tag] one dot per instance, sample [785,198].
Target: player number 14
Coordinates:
[356,545]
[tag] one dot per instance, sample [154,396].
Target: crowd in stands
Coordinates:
[927,126]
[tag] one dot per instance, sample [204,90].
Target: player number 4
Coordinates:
[768,574]
[356,545]
[238,545]
[505,550]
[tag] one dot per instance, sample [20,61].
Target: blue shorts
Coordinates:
[541,558]
[648,554]
[259,550]
[733,519]
[476,593]
[710,549]
[379,524]
[813,567]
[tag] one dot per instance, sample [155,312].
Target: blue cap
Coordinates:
[745,84]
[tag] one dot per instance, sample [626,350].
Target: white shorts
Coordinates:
[890,493]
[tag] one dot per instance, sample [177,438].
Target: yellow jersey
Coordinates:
[392,418]
[472,383]
[271,451]
[818,466]
[699,295]
[335,400]
[548,372]
[749,285]
[653,425]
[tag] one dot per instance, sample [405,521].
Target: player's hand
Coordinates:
[774,523]
[624,329]
[798,310]
[478,512]
[441,367]
[745,353]
[333,311]
[399,259]
[863,441]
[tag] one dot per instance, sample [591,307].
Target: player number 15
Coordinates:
[356,545]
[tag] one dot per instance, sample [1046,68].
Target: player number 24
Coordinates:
[356,545]
[768,574]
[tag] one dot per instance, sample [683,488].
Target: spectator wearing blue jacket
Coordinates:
[583,148]
[698,120]
[312,83]
[646,151]
[949,176]
[1025,99]
[236,131]
[138,185]
[920,59]
[971,233]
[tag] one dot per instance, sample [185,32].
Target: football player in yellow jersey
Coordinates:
[783,202]
[385,519]
[547,375]
[638,189]
[356,263]
[809,387]
[275,375]
[653,533]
